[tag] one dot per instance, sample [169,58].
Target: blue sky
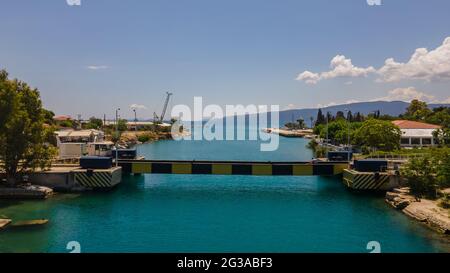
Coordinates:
[104,54]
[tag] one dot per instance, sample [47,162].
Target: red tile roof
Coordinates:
[62,118]
[408,124]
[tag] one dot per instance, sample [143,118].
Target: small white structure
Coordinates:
[83,136]
[76,143]
[103,148]
[416,134]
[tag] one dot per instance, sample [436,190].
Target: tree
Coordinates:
[67,124]
[330,117]
[427,174]
[377,114]
[94,123]
[358,117]
[349,116]
[417,110]
[301,123]
[122,125]
[340,115]
[440,116]
[442,162]
[378,134]
[442,136]
[23,146]
[48,117]
[420,176]
[338,130]
[320,118]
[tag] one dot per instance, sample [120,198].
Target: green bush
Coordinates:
[427,174]
[445,202]
[319,151]
[420,174]
[143,138]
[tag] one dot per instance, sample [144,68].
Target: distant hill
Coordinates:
[393,108]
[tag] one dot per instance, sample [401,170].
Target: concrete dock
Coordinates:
[377,181]
[74,178]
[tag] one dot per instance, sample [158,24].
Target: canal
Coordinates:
[186,213]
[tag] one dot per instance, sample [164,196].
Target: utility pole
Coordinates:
[117,134]
[79,121]
[135,120]
[328,114]
[348,136]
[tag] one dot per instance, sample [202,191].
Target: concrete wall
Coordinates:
[57,181]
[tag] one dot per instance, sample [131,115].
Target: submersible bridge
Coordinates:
[303,168]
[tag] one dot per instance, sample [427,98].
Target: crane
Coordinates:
[166,103]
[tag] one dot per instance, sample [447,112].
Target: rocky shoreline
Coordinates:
[132,138]
[425,211]
[307,133]
[25,192]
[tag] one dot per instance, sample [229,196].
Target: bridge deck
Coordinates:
[232,167]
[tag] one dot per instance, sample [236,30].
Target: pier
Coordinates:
[76,178]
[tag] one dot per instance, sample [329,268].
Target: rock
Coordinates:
[397,200]
[30,223]
[4,223]
[404,190]
[390,196]
[402,204]
[25,192]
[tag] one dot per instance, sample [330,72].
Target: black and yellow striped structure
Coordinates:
[97,179]
[365,181]
[232,168]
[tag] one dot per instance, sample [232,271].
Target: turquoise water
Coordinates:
[184,213]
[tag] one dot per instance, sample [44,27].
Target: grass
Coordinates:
[415,152]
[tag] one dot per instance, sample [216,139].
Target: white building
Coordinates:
[416,134]
[76,143]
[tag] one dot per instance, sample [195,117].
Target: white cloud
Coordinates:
[445,101]
[308,77]
[97,67]
[335,103]
[340,67]
[407,94]
[290,106]
[138,106]
[423,65]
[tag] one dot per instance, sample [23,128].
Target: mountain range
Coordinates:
[393,108]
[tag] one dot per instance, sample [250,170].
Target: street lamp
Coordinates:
[348,135]
[117,134]
[135,120]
